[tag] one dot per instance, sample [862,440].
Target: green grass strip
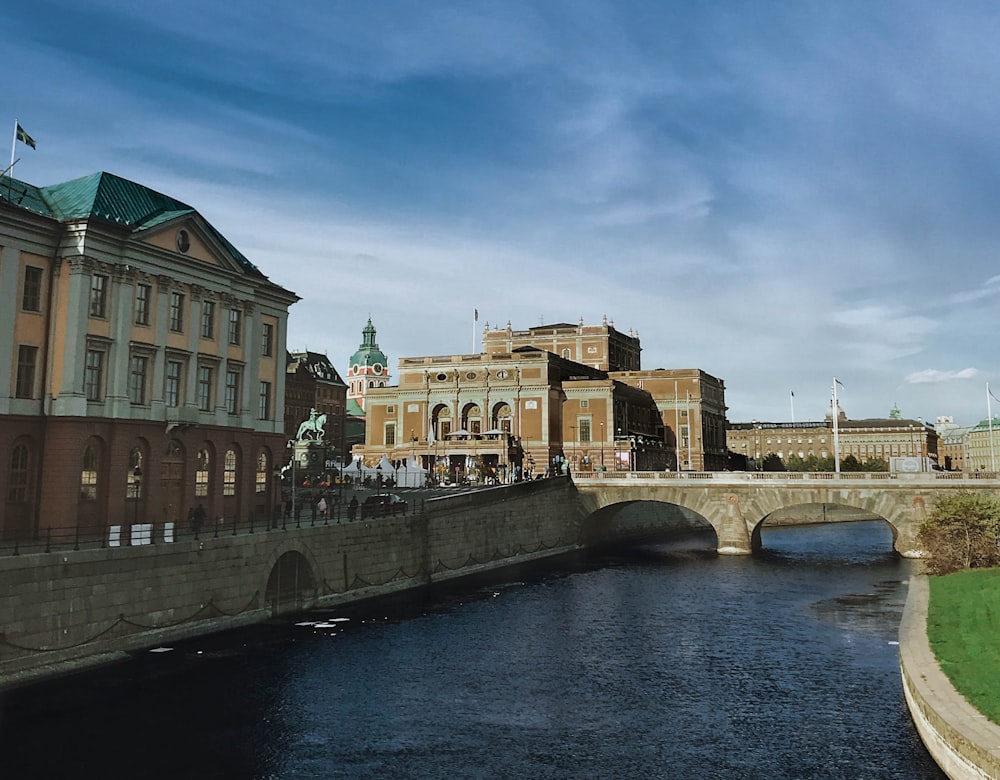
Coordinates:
[963,626]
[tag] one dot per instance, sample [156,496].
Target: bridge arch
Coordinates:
[736,505]
[291,583]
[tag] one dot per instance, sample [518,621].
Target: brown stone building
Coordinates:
[146,363]
[312,382]
[572,391]
[506,411]
[597,346]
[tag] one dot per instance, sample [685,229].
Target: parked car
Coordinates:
[383,505]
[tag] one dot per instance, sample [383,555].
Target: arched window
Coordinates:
[261,476]
[17,478]
[133,487]
[229,474]
[88,475]
[201,473]
[565,354]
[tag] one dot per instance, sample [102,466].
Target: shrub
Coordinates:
[962,532]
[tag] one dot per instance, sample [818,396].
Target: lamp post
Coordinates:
[602,446]
[291,443]
[378,479]
[137,481]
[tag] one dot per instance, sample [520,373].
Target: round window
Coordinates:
[471,375]
[354,368]
[501,374]
[441,377]
[378,368]
[183,241]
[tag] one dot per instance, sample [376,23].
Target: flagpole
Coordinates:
[989,416]
[13,146]
[792,401]
[836,430]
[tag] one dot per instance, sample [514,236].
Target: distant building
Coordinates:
[866,440]
[982,446]
[367,369]
[312,382]
[146,363]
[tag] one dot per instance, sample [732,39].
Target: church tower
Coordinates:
[367,368]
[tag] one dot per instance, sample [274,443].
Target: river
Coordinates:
[662,662]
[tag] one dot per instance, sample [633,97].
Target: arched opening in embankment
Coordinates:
[641,522]
[291,585]
[831,525]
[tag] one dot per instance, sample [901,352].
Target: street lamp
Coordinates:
[137,481]
[378,479]
[602,446]
[291,443]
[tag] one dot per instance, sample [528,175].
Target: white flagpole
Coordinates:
[836,428]
[989,416]
[475,324]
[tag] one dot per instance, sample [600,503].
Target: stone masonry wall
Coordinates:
[63,610]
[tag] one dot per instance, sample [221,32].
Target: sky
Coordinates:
[777,193]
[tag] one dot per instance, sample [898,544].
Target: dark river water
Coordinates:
[663,662]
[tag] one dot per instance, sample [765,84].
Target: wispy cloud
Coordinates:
[932,376]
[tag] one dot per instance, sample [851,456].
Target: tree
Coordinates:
[850,463]
[962,532]
[772,462]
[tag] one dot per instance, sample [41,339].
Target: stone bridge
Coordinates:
[735,504]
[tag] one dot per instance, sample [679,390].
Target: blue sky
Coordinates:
[774,192]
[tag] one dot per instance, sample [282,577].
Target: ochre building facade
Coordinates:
[145,363]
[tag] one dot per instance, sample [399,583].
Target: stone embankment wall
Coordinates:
[965,744]
[61,611]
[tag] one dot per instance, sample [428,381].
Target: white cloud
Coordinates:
[932,376]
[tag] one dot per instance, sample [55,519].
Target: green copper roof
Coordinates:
[368,353]
[109,198]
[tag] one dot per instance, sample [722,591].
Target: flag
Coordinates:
[792,392]
[477,315]
[838,381]
[24,138]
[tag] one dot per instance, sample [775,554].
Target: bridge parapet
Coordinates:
[940,479]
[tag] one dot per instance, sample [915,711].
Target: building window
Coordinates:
[172,388]
[133,485]
[177,312]
[208,320]
[235,322]
[267,339]
[17,478]
[565,354]
[584,430]
[27,361]
[229,474]
[205,388]
[143,293]
[31,295]
[684,436]
[264,405]
[88,476]
[201,474]
[233,392]
[98,295]
[93,377]
[390,434]
[584,403]
[261,476]
[138,366]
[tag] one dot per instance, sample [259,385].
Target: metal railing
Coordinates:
[65,538]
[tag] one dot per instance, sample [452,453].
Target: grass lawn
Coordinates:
[963,625]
